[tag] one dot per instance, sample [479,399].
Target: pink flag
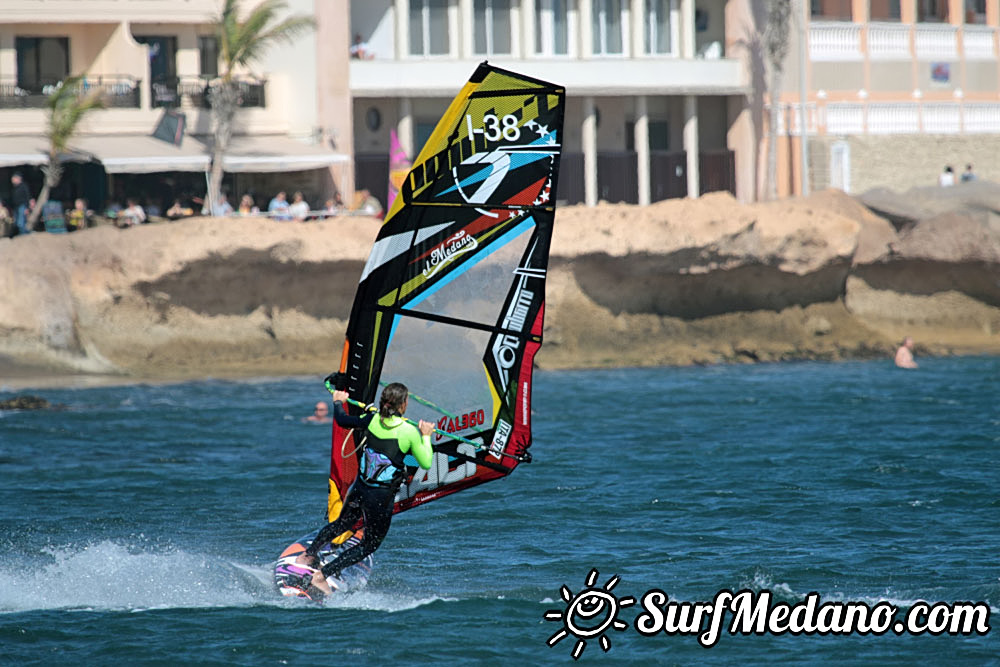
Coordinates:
[399,167]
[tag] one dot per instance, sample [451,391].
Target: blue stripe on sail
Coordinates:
[524,226]
[517,159]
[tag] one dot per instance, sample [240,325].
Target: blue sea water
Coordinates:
[137,524]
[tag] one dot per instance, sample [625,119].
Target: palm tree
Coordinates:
[776,38]
[67,106]
[240,44]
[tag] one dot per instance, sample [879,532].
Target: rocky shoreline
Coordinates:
[679,282]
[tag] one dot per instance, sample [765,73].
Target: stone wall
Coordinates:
[901,162]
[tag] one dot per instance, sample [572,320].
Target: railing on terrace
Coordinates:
[119,92]
[844,118]
[936,41]
[194,92]
[943,118]
[889,41]
[978,42]
[834,41]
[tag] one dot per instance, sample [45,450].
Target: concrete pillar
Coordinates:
[404,128]
[642,148]
[691,144]
[589,140]
[466,18]
[401,23]
[636,16]
[8,57]
[586,23]
[333,90]
[687,29]
[528,28]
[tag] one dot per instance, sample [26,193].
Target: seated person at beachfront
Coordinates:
[320,415]
[79,217]
[388,439]
[333,207]
[365,203]
[177,211]
[904,355]
[278,208]
[222,207]
[6,221]
[247,206]
[132,215]
[299,210]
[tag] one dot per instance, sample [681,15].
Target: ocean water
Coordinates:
[137,523]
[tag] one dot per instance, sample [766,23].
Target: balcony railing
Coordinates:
[936,41]
[194,93]
[120,92]
[978,42]
[835,41]
[889,41]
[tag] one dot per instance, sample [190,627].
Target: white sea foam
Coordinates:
[111,576]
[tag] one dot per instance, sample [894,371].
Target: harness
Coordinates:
[381,463]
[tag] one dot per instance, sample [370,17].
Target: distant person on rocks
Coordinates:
[20,200]
[968,175]
[278,208]
[904,355]
[947,177]
[299,210]
[320,415]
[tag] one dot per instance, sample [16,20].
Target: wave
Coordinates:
[109,576]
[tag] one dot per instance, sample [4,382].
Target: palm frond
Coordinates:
[67,106]
[247,40]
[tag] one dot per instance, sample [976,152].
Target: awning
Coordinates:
[272,153]
[16,150]
[142,154]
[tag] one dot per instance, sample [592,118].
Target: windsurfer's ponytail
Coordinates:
[393,397]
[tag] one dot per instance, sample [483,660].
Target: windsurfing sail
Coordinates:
[451,300]
[399,167]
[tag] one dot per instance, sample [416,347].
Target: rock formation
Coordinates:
[678,282]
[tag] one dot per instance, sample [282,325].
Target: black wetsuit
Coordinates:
[372,493]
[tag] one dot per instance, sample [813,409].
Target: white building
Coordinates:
[650,87]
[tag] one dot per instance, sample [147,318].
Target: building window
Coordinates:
[975,11]
[429,28]
[492,27]
[834,10]
[41,61]
[932,11]
[551,29]
[208,48]
[656,26]
[607,24]
[884,10]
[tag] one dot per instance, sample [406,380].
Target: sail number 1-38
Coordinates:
[495,128]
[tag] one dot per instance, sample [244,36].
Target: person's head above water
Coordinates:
[321,409]
[393,400]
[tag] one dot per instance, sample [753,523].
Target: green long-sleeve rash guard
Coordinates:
[409,437]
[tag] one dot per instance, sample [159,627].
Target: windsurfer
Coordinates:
[387,440]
